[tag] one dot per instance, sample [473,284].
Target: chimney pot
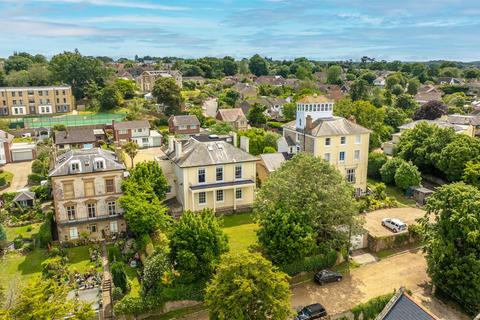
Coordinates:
[308,124]
[245,144]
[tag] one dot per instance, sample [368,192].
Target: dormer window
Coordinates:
[99,164]
[75,165]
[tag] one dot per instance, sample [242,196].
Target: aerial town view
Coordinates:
[239,160]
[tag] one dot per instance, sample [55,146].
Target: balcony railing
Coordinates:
[78,221]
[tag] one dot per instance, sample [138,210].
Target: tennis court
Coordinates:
[67,120]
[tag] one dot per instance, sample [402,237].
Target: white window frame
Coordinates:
[356,155]
[340,156]
[204,196]
[220,192]
[77,164]
[327,156]
[241,194]
[91,208]
[204,175]
[358,139]
[71,212]
[351,175]
[328,142]
[99,164]
[216,173]
[112,205]
[114,226]
[238,166]
[91,227]
[343,141]
[73,232]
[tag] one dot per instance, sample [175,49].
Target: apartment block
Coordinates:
[23,101]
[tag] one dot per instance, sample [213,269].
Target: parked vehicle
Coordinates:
[325,276]
[396,225]
[313,311]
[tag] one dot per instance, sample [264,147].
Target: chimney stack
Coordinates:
[178,149]
[352,118]
[233,134]
[171,141]
[245,144]
[308,124]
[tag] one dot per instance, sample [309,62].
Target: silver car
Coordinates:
[396,225]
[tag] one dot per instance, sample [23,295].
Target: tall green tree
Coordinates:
[147,173]
[454,157]
[167,92]
[197,242]
[407,175]
[258,65]
[110,97]
[47,299]
[451,232]
[256,115]
[359,90]
[316,192]
[78,71]
[157,273]
[334,74]
[131,148]
[230,67]
[247,286]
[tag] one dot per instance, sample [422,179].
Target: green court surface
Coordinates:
[67,120]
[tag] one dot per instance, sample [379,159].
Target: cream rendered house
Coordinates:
[86,185]
[210,172]
[341,142]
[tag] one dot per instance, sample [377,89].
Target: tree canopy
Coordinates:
[247,286]
[197,242]
[314,196]
[451,232]
[167,92]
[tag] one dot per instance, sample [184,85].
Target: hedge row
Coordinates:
[312,263]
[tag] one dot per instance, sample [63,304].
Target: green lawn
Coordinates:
[396,193]
[21,268]
[133,280]
[13,232]
[240,230]
[79,259]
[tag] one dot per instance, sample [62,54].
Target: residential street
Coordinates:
[406,269]
[20,171]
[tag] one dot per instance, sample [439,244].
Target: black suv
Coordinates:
[313,311]
[325,276]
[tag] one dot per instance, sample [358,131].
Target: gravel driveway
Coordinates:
[20,171]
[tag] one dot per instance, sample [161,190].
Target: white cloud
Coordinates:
[150,19]
[114,3]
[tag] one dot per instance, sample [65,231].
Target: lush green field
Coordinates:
[396,193]
[79,259]
[133,281]
[20,268]
[240,231]
[25,231]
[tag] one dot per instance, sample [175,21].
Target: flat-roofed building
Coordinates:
[22,101]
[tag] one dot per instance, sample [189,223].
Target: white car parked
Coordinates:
[396,225]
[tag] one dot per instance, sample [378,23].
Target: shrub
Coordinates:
[371,308]
[54,268]
[3,181]
[38,167]
[407,175]
[18,242]
[312,263]
[375,162]
[117,293]
[119,276]
[274,124]
[42,192]
[35,178]
[388,170]
[44,236]
[114,254]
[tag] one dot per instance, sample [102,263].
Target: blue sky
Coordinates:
[325,30]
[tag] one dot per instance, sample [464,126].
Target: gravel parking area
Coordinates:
[373,220]
[20,171]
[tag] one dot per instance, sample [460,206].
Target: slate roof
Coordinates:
[187,120]
[197,154]
[231,115]
[333,126]
[403,307]
[87,158]
[75,135]
[137,124]
[273,161]
[24,196]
